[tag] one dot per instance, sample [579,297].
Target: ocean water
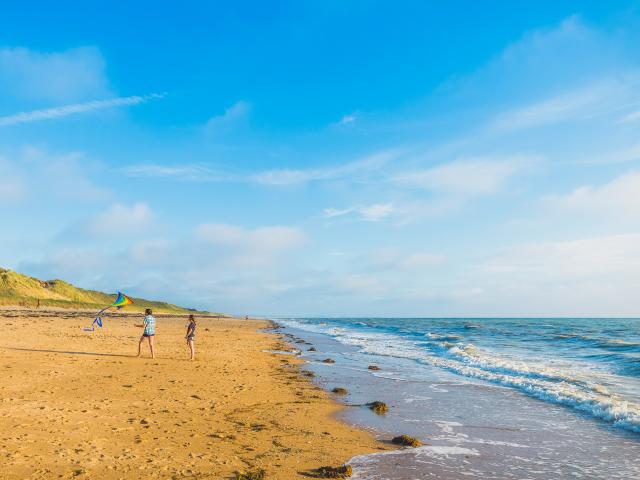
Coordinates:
[491,398]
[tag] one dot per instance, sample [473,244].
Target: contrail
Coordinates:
[57,112]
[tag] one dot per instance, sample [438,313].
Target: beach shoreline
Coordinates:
[471,427]
[79,404]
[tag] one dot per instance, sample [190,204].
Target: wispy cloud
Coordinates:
[631,117]
[370,213]
[120,219]
[624,155]
[356,170]
[190,172]
[617,200]
[466,177]
[77,108]
[347,120]
[574,105]
[235,113]
[242,247]
[286,177]
[44,176]
[60,77]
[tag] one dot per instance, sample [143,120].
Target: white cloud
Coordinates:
[348,119]
[189,172]
[249,247]
[590,258]
[465,177]
[575,105]
[120,219]
[66,110]
[236,112]
[377,212]
[273,178]
[618,199]
[35,174]
[371,213]
[286,177]
[150,252]
[274,238]
[624,155]
[72,75]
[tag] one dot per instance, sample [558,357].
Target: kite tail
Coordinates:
[97,320]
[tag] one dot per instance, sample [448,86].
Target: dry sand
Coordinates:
[80,405]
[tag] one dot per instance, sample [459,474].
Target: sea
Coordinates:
[490,398]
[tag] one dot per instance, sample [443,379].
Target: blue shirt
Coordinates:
[149,325]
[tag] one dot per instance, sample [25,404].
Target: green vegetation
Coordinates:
[24,291]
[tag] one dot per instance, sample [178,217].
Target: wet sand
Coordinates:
[80,405]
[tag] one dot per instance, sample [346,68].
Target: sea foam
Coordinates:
[556,384]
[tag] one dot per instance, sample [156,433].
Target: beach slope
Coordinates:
[80,405]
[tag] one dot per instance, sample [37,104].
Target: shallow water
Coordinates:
[530,398]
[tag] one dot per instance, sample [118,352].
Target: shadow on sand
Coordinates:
[66,352]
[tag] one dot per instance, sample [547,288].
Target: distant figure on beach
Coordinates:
[149,325]
[191,335]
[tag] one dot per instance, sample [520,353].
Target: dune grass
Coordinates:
[21,290]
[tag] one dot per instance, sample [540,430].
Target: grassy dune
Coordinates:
[21,290]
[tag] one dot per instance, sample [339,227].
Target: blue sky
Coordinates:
[327,158]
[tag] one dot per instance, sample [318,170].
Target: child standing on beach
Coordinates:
[149,325]
[191,335]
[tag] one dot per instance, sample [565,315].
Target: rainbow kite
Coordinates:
[121,301]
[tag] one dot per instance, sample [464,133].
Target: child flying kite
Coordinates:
[121,301]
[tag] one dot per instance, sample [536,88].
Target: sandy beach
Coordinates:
[75,404]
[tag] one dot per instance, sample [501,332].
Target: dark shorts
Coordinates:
[148,334]
[191,338]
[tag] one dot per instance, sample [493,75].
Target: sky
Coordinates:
[327,158]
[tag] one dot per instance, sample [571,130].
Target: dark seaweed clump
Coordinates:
[374,367]
[340,391]
[312,349]
[406,441]
[378,407]
[328,360]
[257,475]
[344,471]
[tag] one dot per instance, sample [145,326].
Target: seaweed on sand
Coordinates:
[253,475]
[345,471]
[340,391]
